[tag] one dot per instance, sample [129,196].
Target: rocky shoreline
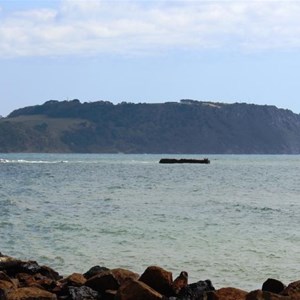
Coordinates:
[27,280]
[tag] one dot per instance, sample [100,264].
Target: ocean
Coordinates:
[235,221]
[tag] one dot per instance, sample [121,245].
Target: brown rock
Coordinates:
[37,280]
[110,280]
[45,282]
[228,293]
[6,285]
[6,282]
[4,276]
[137,290]
[292,289]
[25,279]
[273,285]
[103,281]
[180,282]
[158,279]
[50,273]
[62,288]
[263,295]
[123,275]
[30,293]
[75,279]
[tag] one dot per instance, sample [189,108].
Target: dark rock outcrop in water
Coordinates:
[187,127]
[27,280]
[184,161]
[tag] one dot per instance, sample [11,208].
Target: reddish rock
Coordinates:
[4,276]
[38,280]
[123,275]
[263,295]
[62,288]
[180,282]
[103,281]
[6,285]
[273,285]
[292,289]
[25,279]
[76,279]
[6,282]
[45,282]
[158,279]
[137,290]
[110,280]
[30,293]
[228,293]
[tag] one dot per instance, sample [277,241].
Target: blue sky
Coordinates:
[149,51]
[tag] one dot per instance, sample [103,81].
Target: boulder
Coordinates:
[38,280]
[123,275]
[110,280]
[4,276]
[13,266]
[8,263]
[196,291]
[263,295]
[30,293]
[292,289]
[103,281]
[158,279]
[27,280]
[94,271]
[61,288]
[228,293]
[273,285]
[6,285]
[6,282]
[180,282]
[137,290]
[76,280]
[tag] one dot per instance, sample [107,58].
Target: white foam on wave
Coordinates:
[23,161]
[3,161]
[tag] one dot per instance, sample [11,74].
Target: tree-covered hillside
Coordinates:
[185,127]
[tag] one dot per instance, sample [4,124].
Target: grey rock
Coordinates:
[83,293]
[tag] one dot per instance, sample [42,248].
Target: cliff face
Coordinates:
[184,127]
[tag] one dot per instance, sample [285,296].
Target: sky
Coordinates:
[149,51]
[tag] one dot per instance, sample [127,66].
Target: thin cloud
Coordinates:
[129,28]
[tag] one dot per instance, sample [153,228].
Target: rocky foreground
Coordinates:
[27,280]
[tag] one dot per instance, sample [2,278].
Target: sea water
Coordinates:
[235,221]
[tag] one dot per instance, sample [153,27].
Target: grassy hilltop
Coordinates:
[187,126]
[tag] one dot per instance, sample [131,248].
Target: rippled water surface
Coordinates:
[235,221]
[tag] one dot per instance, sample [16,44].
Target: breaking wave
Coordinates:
[23,161]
